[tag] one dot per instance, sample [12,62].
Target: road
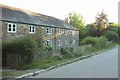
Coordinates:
[104,65]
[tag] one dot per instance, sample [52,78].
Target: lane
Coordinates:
[104,65]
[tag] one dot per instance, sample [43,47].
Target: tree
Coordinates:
[101,21]
[113,32]
[92,31]
[76,20]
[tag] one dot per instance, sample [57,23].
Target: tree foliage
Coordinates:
[111,35]
[101,21]
[76,20]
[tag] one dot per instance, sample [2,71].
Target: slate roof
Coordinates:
[28,17]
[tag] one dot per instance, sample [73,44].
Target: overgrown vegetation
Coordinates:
[111,35]
[25,47]
[101,35]
[97,42]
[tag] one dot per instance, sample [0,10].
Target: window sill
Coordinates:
[31,32]
[49,33]
[10,32]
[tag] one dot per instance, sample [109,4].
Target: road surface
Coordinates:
[104,65]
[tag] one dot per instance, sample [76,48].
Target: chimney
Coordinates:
[66,20]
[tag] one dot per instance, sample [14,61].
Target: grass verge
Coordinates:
[43,64]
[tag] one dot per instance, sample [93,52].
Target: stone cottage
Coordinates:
[55,32]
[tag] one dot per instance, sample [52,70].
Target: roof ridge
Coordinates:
[18,9]
[16,14]
[27,11]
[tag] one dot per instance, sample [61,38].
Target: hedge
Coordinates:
[26,47]
[111,35]
[95,41]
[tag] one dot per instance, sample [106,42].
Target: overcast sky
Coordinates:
[60,8]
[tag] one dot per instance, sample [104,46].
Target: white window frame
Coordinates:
[65,32]
[32,29]
[49,30]
[59,31]
[49,42]
[73,41]
[66,42]
[59,42]
[12,25]
[73,32]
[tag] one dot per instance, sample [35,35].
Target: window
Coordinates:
[73,41]
[73,32]
[59,31]
[11,28]
[49,31]
[66,42]
[31,29]
[49,43]
[59,42]
[65,32]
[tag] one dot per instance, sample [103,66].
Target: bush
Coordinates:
[49,48]
[88,40]
[66,53]
[63,51]
[25,47]
[95,41]
[56,57]
[111,35]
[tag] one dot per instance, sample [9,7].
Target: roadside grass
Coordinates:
[10,74]
[1,74]
[46,63]
[102,49]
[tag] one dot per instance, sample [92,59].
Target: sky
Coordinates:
[61,8]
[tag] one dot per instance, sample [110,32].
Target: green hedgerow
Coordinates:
[25,47]
[95,41]
[111,35]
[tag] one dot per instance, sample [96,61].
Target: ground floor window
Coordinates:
[49,43]
[59,42]
[73,41]
[66,42]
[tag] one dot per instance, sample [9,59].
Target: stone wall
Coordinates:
[41,35]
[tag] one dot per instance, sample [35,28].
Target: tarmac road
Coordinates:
[104,65]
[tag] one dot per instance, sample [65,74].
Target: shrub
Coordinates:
[25,47]
[95,41]
[56,57]
[111,35]
[101,41]
[66,53]
[88,40]
[63,51]
[49,48]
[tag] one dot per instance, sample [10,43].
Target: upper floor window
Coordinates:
[49,30]
[73,32]
[59,31]
[49,43]
[65,32]
[59,42]
[11,28]
[31,29]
